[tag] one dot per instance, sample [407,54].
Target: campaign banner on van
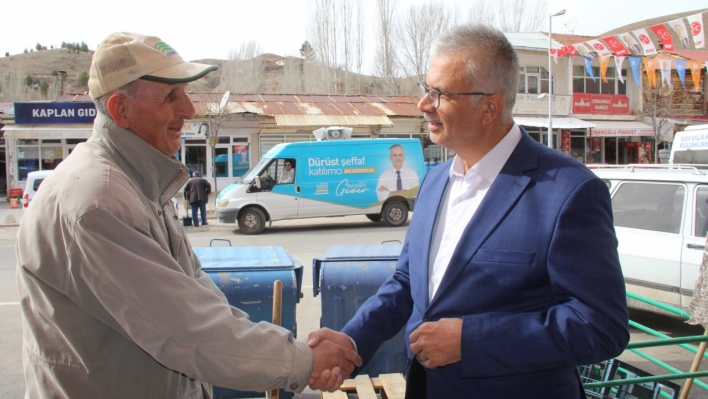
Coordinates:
[54,112]
[362,176]
[350,173]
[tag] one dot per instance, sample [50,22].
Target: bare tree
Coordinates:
[418,28]
[358,42]
[292,81]
[243,72]
[660,105]
[14,88]
[386,60]
[510,15]
[344,17]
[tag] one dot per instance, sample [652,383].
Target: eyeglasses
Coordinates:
[287,164]
[434,94]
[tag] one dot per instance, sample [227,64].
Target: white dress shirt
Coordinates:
[388,179]
[462,197]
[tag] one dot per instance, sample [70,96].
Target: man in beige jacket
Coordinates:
[114,301]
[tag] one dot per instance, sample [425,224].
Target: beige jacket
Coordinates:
[113,299]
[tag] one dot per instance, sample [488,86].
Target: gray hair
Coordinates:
[492,63]
[130,90]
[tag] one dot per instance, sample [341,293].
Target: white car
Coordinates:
[34,179]
[661,219]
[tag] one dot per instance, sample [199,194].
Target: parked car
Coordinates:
[34,180]
[661,220]
[691,146]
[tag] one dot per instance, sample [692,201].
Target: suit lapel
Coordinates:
[506,190]
[428,208]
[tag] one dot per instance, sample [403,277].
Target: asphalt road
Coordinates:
[304,240]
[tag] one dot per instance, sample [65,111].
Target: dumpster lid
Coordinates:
[362,252]
[228,258]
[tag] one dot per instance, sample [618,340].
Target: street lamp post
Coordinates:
[550,76]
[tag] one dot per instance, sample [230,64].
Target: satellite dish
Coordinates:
[224,101]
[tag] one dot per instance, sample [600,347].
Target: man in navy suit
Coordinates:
[509,275]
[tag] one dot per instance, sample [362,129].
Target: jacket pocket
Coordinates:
[504,256]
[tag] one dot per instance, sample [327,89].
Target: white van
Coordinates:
[34,179]
[690,146]
[661,221]
[378,178]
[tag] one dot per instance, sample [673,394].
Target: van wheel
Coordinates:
[394,214]
[374,217]
[251,221]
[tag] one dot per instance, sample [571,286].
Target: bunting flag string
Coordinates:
[634,62]
[650,68]
[681,71]
[618,63]
[684,33]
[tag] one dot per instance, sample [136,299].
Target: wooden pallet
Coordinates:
[392,386]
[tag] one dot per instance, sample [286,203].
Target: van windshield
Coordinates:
[691,157]
[256,170]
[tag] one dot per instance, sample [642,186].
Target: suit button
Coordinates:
[159,212]
[294,386]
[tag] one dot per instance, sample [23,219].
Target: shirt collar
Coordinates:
[491,164]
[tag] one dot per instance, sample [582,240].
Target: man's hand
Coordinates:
[382,188]
[334,359]
[439,343]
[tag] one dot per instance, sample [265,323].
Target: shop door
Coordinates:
[630,152]
[611,150]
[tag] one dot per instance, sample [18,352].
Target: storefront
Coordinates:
[621,143]
[45,133]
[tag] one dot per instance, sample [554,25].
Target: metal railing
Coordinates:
[593,389]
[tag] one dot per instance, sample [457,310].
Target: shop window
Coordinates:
[533,79]
[195,158]
[583,83]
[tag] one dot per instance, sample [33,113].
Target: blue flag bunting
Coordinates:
[634,62]
[681,70]
[588,67]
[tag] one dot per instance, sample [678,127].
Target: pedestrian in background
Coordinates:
[197,192]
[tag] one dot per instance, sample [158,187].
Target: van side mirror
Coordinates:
[257,182]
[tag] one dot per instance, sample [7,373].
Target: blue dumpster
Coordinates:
[347,276]
[246,276]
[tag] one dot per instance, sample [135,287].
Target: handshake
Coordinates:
[334,359]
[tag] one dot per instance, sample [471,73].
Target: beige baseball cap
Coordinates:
[124,57]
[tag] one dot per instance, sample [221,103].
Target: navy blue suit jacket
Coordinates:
[535,277]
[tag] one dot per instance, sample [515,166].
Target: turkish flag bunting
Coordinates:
[616,46]
[664,36]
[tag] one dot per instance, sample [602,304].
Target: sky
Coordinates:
[210,29]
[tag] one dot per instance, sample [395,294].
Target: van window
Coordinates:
[36,184]
[700,227]
[691,157]
[649,206]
